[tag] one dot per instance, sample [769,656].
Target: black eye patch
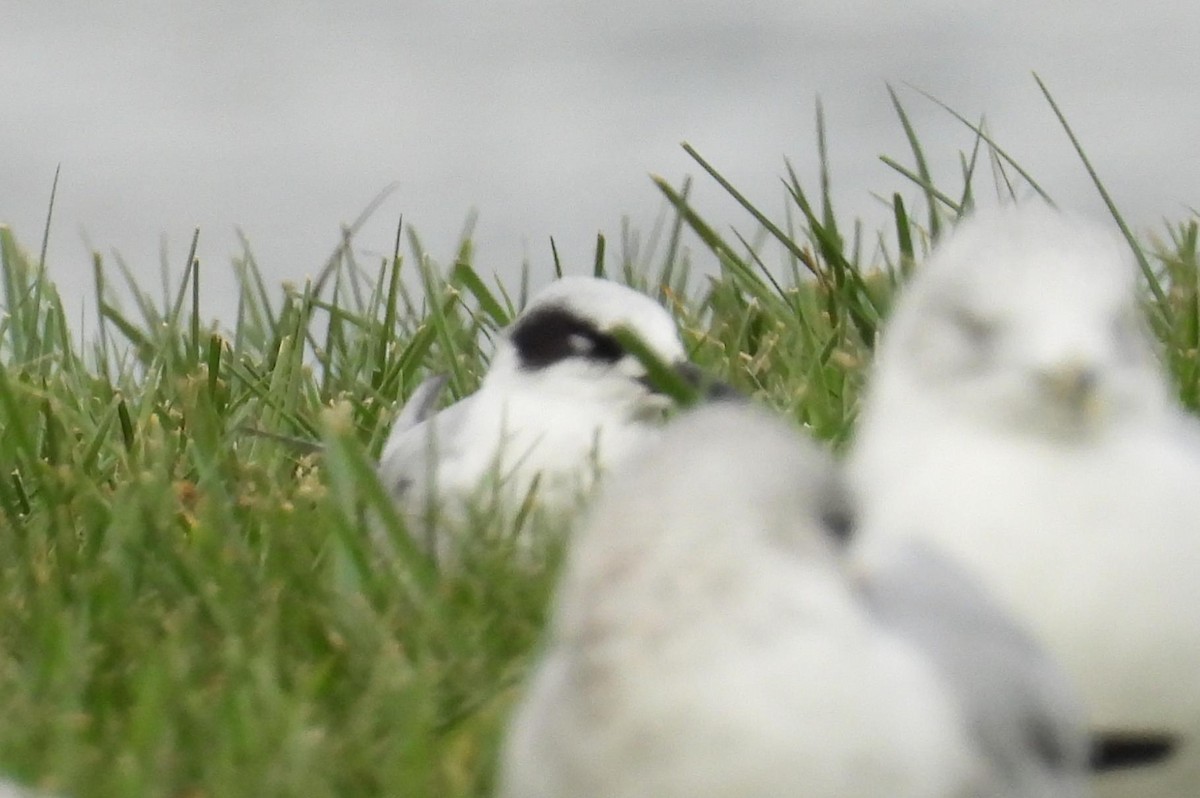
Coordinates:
[552,334]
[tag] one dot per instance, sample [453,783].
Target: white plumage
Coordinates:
[707,642]
[1018,419]
[560,403]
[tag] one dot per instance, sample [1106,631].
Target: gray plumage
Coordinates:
[1020,708]
[421,404]
[397,471]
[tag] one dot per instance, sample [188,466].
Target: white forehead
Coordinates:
[1029,257]
[608,305]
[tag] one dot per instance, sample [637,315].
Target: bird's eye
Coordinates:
[975,328]
[580,344]
[604,348]
[838,520]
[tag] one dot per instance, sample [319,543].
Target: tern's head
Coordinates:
[1026,319]
[563,341]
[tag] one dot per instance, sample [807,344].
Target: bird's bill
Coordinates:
[698,385]
[1075,387]
[1071,382]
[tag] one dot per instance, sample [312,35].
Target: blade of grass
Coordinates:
[981,133]
[598,258]
[1160,297]
[49,218]
[923,177]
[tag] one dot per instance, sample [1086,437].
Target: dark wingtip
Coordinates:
[1121,751]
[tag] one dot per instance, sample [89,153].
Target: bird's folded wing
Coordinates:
[1018,703]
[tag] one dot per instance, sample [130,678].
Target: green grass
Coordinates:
[188,609]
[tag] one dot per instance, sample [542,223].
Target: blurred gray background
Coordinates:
[285,119]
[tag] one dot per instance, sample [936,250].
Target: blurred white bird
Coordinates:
[1017,418]
[561,402]
[707,642]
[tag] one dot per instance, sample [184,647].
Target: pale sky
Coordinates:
[546,116]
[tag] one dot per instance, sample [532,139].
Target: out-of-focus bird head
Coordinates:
[1024,318]
[725,482]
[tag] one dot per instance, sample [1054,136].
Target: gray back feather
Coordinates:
[421,404]
[406,455]
[1018,703]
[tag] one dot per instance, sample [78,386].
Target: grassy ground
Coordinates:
[187,609]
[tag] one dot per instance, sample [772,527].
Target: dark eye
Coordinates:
[595,345]
[838,519]
[976,329]
[581,344]
[548,335]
